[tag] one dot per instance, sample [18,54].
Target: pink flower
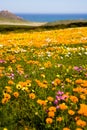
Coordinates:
[2,61]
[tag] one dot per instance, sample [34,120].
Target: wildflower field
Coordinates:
[43,79]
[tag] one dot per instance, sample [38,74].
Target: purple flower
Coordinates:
[58,97]
[76,68]
[57,107]
[11,76]
[79,69]
[56,102]
[60,92]
[63,97]
[2,61]
[86,75]
[47,111]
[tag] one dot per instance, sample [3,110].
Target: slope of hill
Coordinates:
[67,23]
[6,16]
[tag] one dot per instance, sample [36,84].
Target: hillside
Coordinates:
[6,16]
[66,24]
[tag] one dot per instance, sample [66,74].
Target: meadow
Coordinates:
[43,79]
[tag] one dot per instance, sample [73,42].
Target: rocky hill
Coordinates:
[6,16]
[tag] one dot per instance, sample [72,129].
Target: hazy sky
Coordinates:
[44,6]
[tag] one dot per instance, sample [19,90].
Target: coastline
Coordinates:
[24,24]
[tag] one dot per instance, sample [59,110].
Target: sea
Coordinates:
[52,17]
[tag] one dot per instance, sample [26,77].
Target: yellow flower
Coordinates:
[18,86]
[48,64]
[43,75]
[28,82]
[5,129]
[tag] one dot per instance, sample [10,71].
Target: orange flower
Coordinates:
[77,118]
[85,91]
[48,64]
[59,119]
[32,95]
[68,80]
[8,89]
[40,84]
[83,109]
[81,123]
[50,99]
[78,89]
[7,96]
[16,94]
[26,128]
[63,106]
[24,84]
[56,82]
[4,100]
[66,128]
[71,112]
[41,102]
[10,82]
[79,129]
[52,108]
[78,81]
[51,114]
[74,99]
[82,96]
[84,84]
[49,120]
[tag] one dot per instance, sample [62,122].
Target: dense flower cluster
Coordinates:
[43,80]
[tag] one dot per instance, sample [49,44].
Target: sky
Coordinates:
[44,6]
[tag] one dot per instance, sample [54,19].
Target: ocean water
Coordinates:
[52,17]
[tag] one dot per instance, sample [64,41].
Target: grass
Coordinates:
[43,79]
[47,26]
